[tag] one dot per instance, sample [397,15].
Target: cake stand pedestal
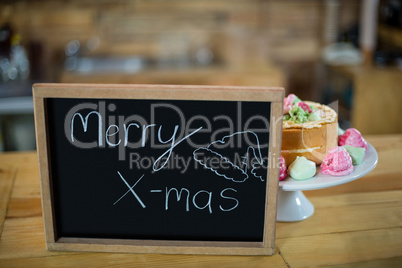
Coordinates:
[293,204]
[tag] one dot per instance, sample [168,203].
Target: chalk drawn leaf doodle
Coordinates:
[233,165]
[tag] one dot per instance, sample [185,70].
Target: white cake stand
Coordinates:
[294,206]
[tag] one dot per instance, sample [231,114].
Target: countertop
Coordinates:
[248,75]
[356,224]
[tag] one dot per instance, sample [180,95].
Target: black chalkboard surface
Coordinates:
[159,168]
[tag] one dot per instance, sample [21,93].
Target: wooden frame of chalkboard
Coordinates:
[228,214]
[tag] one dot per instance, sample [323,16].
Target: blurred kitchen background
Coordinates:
[347,53]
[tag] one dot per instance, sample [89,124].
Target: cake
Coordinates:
[309,129]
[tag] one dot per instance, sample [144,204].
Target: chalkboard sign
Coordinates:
[158,168]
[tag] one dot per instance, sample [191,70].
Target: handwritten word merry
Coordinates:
[113,130]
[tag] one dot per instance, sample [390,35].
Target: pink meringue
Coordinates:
[353,138]
[282,169]
[304,106]
[288,103]
[289,99]
[337,162]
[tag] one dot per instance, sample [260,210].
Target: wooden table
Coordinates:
[357,224]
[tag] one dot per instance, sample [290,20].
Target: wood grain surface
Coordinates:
[358,224]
